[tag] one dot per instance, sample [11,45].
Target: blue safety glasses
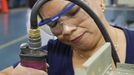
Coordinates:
[56,17]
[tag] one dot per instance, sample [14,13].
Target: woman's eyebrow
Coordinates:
[72,13]
[68,12]
[66,6]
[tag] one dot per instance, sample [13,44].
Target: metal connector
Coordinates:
[34,39]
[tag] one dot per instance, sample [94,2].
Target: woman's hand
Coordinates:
[2,73]
[20,70]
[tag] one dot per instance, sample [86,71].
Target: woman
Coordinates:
[78,39]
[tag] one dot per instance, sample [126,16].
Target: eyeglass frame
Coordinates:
[56,17]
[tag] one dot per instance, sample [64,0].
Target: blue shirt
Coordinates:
[130,46]
[59,58]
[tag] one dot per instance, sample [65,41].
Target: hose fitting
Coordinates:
[34,39]
[32,54]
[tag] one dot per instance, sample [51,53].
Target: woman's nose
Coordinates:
[68,29]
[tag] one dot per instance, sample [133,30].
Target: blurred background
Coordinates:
[14,20]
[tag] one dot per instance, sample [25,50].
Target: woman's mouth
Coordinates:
[77,39]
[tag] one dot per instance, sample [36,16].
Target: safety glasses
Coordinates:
[56,17]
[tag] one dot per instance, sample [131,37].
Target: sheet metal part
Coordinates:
[101,64]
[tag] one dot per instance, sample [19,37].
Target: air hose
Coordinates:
[34,34]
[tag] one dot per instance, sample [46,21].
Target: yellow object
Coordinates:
[34,33]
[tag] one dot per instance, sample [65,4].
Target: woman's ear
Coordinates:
[102,5]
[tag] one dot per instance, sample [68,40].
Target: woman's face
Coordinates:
[78,30]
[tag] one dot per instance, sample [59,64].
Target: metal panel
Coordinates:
[100,63]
